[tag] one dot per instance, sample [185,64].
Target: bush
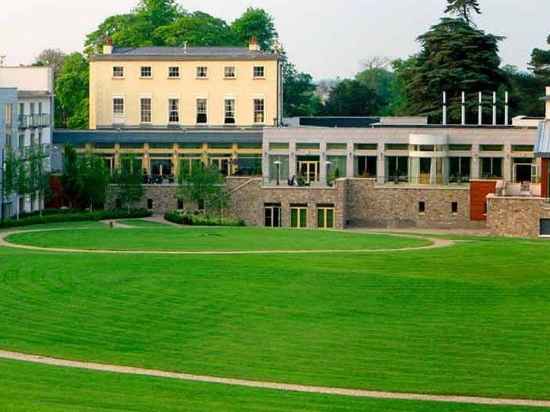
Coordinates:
[198,219]
[75,216]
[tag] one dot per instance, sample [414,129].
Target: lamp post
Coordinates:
[278,164]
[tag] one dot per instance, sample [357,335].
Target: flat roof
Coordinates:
[77,137]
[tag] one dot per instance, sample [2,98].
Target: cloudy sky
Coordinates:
[327,38]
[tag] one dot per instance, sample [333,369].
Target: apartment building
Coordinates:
[8,129]
[33,119]
[183,87]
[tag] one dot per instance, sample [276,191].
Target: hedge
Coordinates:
[74,216]
[195,219]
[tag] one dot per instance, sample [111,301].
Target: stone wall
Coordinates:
[163,197]
[373,205]
[516,216]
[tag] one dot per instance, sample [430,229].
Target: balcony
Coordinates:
[28,121]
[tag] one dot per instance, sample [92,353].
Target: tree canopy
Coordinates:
[540,63]
[454,57]
[463,8]
[72,90]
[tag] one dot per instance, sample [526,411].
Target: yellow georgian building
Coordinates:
[185,87]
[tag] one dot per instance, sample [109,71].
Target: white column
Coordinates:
[380,164]
[474,167]
[265,161]
[323,163]
[350,161]
[292,159]
[507,164]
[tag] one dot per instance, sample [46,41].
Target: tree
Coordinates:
[71,92]
[129,180]
[299,93]
[525,90]
[9,175]
[51,57]
[463,8]
[69,178]
[92,180]
[377,77]
[204,185]
[454,57]
[256,23]
[197,29]
[37,173]
[352,98]
[540,63]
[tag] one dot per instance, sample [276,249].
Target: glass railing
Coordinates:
[27,121]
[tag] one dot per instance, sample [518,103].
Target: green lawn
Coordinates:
[471,319]
[27,387]
[219,239]
[143,223]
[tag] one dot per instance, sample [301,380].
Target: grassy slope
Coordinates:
[212,239]
[470,320]
[27,387]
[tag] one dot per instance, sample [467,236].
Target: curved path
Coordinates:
[435,244]
[270,385]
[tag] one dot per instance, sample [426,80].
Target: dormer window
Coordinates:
[146,72]
[118,72]
[259,72]
[202,72]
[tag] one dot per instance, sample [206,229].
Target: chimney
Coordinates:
[253,44]
[547,100]
[108,46]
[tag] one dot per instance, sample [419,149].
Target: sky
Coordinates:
[327,38]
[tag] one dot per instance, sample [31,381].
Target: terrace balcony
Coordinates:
[29,121]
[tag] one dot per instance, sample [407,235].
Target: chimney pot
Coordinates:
[108,46]
[253,44]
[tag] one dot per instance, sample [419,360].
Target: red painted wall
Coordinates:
[479,189]
[56,199]
[544,178]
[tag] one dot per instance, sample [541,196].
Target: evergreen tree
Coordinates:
[454,57]
[540,64]
[463,8]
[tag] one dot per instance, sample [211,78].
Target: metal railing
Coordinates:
[27,121]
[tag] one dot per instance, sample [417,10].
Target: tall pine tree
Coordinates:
[463,8]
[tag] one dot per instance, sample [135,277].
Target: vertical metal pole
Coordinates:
[444,108]
[506,109]
[480,109]
[463,108]
[494,108]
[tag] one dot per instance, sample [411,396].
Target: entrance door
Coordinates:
[325,217]
[524,172]
[272,216]
[425,171]
[298,217]
[309,170]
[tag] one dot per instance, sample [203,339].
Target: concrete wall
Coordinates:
[188,88]
[516,216]
[27,78]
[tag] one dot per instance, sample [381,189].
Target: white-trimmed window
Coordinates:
[146,72]
[118,105]
[229,111]
[202,72]
[229,72]
[259,110]
[173,110]
[259,72]
[118,71]
[202,111]
[174,72]
[145,109]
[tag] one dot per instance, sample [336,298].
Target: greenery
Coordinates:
[352,98]
[51,57]
[199,219]
[463,8]
[468,319]
[71,92]
[28,387]
[204,186]
[92,179]
[129,181]
[71,215]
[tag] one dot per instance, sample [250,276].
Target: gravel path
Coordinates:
[270,385]
[435,244]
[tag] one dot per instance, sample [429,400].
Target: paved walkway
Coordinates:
[270,385]
[435,244]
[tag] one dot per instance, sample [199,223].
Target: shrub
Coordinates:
[75,216]
[199,219]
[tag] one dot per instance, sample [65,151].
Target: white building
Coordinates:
[35,119]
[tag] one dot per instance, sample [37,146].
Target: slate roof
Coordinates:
[189,53]
[77,137]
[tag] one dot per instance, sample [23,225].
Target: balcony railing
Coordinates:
[27,121]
